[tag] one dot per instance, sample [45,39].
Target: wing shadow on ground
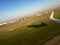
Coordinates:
[42,24]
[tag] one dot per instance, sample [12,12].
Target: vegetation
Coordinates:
[22,32]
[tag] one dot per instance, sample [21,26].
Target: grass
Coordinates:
[23,35]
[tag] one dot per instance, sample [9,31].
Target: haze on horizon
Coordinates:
[12,9]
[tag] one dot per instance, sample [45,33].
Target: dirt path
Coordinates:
[54,41]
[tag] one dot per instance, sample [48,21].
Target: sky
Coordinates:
[13,9]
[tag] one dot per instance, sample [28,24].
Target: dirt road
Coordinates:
[54,41]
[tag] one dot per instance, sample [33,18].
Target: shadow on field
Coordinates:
[42,24]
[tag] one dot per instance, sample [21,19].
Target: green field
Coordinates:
[21,34]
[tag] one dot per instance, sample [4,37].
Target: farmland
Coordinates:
[19,33]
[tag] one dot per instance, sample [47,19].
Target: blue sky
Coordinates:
[11,9]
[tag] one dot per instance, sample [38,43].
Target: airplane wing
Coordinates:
[54,19]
